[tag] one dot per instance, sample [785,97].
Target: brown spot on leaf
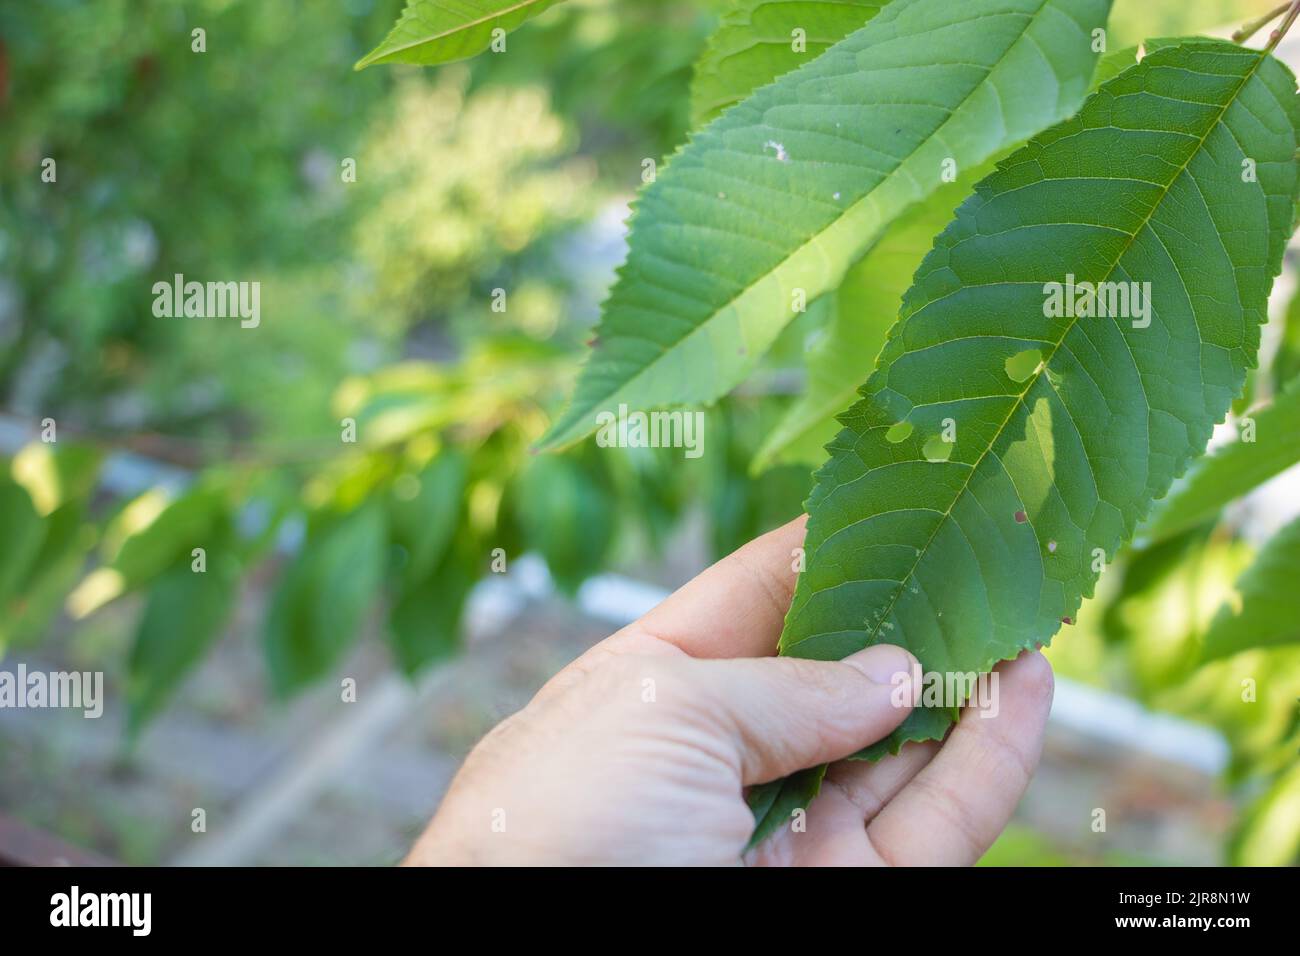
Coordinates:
[1021,517]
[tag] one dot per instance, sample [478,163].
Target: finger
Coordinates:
[782,714]
[854,791]
[954,809]
[870,786]
[735,608]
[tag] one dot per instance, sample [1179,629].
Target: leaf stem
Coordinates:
[1276,36]
[1254,26]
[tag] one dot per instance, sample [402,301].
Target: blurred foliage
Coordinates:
[167,161]
[440,158]
[380,212]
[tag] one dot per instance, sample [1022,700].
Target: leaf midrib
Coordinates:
[1042,369]
[469,24]
[1030,20]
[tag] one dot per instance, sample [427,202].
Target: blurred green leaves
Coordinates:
[567,514]
[1270,833]
[325,594]
[425,511]
[1264,611]
[47,535]
[457,207]
[24,532]
[1268,442]
[183,615]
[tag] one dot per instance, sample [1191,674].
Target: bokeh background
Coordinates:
[371,561]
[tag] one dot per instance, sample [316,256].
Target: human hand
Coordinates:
[637,752]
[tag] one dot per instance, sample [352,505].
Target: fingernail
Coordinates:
[882,663]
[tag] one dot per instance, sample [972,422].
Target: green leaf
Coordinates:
[968,561]
[1270,833]
[59,563]
[755,43]
[424,510]
[773,803]
[185,613]
[430,32]
[566,514]
[57,479]
[1168,595]
[24,531]
[741,506]
[1113,64]
[55,475]
[181,525]
[1286,361]
[1263,613]
[864,308]
[424,624]
[788,188]
[322,600]
[1234,469]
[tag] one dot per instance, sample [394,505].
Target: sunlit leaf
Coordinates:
[430,32]
[149,547]
[756,41]
[863,309]
[55,474]
[23,533]
[770,204]
[1270,833]
[52,573]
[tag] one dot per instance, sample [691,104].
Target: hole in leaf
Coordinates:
[936,449]
[898,432]
[1023,364]
[1051,547]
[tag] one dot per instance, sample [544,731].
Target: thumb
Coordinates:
[784,714]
